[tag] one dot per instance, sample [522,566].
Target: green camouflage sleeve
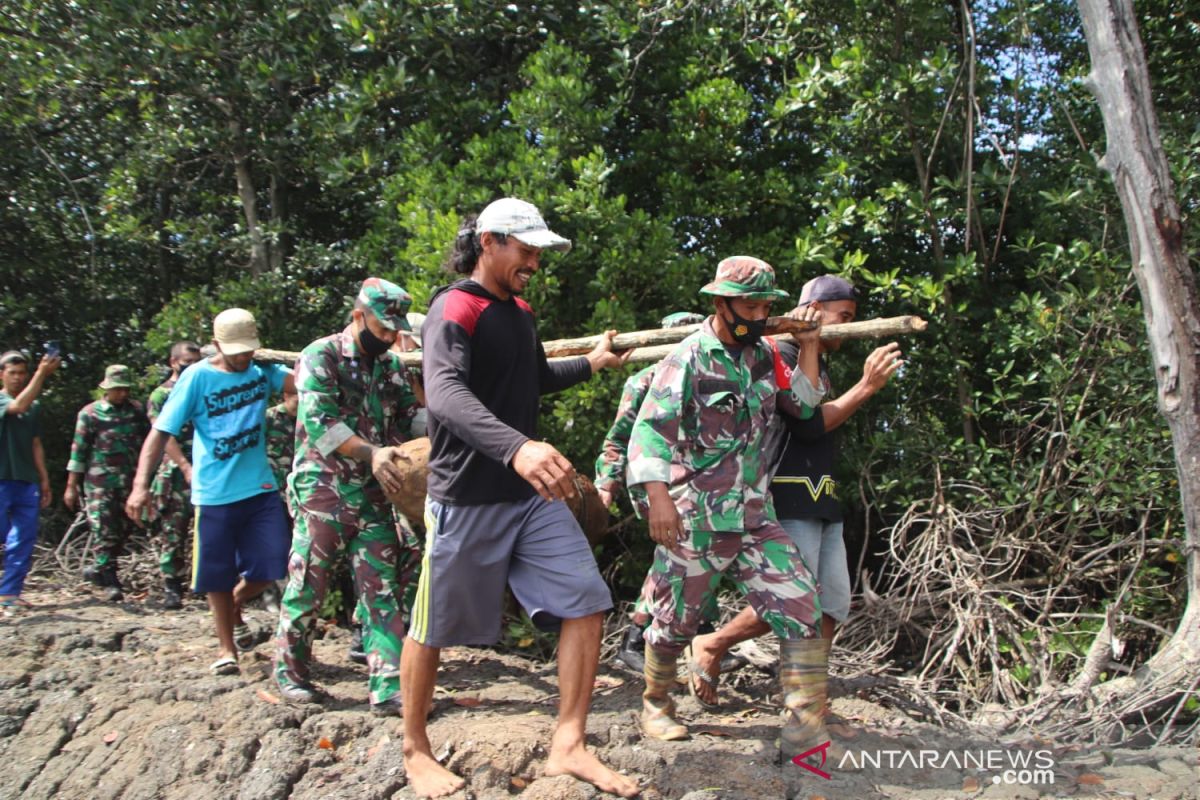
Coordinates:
[656,432]
[156,401]
[81,445]
[317,385]
[610,464]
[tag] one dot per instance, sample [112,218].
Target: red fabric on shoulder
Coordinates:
[464,309]
[524,306]
[783,373]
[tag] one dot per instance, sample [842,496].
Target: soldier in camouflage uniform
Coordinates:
[699,448]
[281,442]
[169,491]
[355,404]
[104,454]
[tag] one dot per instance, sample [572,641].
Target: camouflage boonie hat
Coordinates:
[681,318]
[747,277]
[116,376]
[387,301]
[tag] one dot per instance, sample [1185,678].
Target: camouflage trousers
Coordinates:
[764,564]
[109,525]
[643,609]
[383,558]
[173,519]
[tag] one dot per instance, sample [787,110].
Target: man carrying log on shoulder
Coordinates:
[805,497]
[355,404]
[494,512]
[698,448]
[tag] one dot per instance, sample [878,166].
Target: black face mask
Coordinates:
[745,331]
[371,344]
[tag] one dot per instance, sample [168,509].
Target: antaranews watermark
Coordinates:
[1007,766]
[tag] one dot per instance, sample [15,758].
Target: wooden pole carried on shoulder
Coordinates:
[652,345]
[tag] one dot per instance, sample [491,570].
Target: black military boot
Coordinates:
[112,583]
[632,652]
[357,654]
[172,594]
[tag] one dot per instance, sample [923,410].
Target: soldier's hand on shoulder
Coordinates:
[547,470]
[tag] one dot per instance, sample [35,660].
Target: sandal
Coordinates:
[244,636]
[11,600]
[696,672]
[224,666]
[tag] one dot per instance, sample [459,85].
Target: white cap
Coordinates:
[514,217]
[235,330]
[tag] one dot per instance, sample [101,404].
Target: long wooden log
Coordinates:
[652,345]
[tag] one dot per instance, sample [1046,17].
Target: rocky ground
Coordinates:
[116,701]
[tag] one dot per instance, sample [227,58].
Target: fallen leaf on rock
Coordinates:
[713,732]
[325,744]
[468,702]
[111,737]
[816,797]
[971,784]
[518,783]
[267,697]
[1091,779]
[607,682]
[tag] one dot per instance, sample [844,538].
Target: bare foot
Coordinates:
[579,762]
[706,657]
[428,778]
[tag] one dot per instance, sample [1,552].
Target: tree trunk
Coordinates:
[1120,81]
[246,193]
[282,247]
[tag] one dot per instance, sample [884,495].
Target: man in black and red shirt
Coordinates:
[494,509]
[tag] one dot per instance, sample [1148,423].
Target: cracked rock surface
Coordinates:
[116,701]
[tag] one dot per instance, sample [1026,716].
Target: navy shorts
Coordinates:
[471,552]
[247,538]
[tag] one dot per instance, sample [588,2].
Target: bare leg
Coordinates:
[578,653]
[246,590]
[418,676]
[709,649]
[828,623]
[221,604]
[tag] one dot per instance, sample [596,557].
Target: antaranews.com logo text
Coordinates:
[1010,767]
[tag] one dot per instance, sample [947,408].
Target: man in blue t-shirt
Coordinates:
[241,536]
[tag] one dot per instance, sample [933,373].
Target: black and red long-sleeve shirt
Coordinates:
[485,371]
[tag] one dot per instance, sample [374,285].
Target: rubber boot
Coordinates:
[172,594]
[804,676]
[112,584]
[658,709]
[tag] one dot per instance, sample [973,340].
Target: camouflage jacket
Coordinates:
[154,405]
[108,440]
[614,453]
[344,393]
[281,442]
[703,429]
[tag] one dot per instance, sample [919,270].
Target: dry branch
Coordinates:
[652,345]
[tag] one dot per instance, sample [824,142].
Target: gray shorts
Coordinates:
[824,550]
[471,552]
